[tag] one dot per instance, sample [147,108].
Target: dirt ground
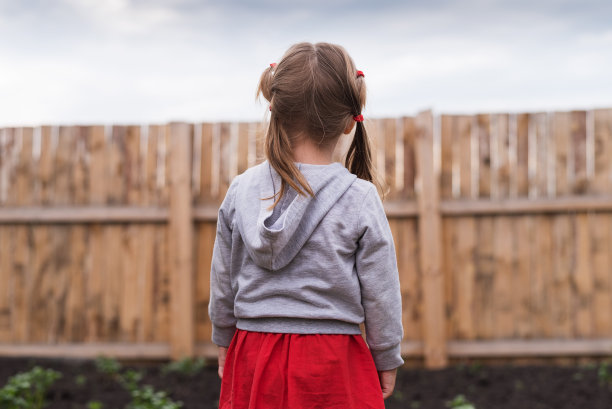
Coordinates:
[487,387]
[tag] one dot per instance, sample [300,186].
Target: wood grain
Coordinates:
[506,247]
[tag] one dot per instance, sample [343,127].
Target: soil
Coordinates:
[486,387]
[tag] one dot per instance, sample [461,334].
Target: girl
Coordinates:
[304,254]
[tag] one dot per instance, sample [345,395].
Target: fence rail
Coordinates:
[502,224]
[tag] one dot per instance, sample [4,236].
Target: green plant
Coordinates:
[186,366]
[588,365]
[475,367]
[519,385]
[94,404]
[604,374]
[80,380]
[26,390]
[398,395]
[460,402]
[130,378]
[146,397]
[461,366]
[107,365]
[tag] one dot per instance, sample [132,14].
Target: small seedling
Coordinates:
[519,385]
[80,380]
[459,402]
[475,367]
[145,397]
[130,378]
[107,365]
[148,398]
[187,366]
[94,404]
[26,390]
[398,395]
[588,366]
[604,374]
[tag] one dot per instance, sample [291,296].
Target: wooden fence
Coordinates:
[106,233]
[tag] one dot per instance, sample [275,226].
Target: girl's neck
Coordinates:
[306,151]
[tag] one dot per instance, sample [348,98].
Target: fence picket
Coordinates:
[478,260]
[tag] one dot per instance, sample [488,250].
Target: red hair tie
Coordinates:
[272,65]
[360,74]
[358,118]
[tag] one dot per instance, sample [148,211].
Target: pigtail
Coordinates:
[359,156]
[265,83]
[277,147]
[280,155]
[358,159]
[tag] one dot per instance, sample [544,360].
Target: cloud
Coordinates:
[157,60]
[123,16]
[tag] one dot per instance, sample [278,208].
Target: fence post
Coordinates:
[180,243]
[430,246]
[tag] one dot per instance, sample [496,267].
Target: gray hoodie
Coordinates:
[321,264]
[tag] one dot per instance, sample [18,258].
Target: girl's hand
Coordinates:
[222,354]
[387,381]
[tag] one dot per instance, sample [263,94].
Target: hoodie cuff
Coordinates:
[386,359]
[222,336]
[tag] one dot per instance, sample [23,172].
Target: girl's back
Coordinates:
[304,252]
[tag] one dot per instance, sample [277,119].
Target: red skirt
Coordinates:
[299,371]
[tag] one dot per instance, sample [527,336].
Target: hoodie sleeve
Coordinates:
[221,304]
[379,278]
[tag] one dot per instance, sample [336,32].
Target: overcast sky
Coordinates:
[137,61]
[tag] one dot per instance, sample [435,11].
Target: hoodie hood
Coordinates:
[274,237]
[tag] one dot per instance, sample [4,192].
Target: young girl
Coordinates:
[304,253]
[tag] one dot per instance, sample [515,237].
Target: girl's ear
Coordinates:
[349,128]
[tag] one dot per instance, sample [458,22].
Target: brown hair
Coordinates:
[314,92]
